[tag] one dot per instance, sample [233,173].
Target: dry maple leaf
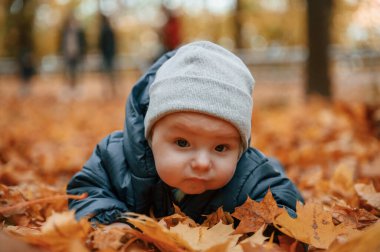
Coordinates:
[203,238]
[290,244]
[177,217]
[256,239]
[184,238]
[153,232]
[356,217]
[107,238]
[61,232]
[256,243]
[216,217]
[366,241]
[174,219]
[342,181]
[368,193]
[253,215]
[313,225]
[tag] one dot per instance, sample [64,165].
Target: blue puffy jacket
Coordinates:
[120,176]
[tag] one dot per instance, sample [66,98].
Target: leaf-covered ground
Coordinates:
[330,150]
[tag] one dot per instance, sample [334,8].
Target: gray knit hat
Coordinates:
[203,77]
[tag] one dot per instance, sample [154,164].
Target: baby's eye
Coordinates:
[182,143]
[221,148]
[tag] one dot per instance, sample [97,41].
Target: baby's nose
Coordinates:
[201,161]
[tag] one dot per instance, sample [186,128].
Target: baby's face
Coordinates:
[195,152]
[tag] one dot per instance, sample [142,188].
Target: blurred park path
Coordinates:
[281,84]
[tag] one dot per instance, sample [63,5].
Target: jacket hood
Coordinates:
[142,162]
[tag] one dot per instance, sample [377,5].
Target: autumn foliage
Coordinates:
[330,150]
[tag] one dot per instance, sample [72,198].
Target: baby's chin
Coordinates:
[193,188]
[193,192]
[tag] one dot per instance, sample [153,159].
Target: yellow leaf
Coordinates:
[184,237]
[365,241]
[313,225]
[155,233]
[342,180]
[369,194]
[256,239]
[61,232]
[202,238]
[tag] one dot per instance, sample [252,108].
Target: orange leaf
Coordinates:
[361,242]
[368,193]
[216,217]
[313,225]
[61,232]
[182,237]
[174,219]
[8,210]
[253,215]
[356,217]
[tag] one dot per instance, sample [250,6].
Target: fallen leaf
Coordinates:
[342,181]
[369,194]
[256,239]
[358,218]
[61,232]
[203,238]
[216,217]
[290,244]
[184,237]
[313,225]
[253,215]
[153,232]
[174,219]
[365,241]
[108,238]
[15,245]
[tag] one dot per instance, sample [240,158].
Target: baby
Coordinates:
[186,141]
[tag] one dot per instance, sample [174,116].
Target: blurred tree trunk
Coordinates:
[19,25]
[238,25]
[319,14]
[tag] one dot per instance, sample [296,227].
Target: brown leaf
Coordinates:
[358,218]
[290,244]
[253,215]
[174,219]
[216,217]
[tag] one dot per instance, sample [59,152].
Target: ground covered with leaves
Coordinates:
[330,150]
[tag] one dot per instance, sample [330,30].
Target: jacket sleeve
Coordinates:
[269,174]
[97,179]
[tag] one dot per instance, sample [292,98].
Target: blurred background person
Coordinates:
[26,70]
[73,49]
[107,47]
[171,31]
